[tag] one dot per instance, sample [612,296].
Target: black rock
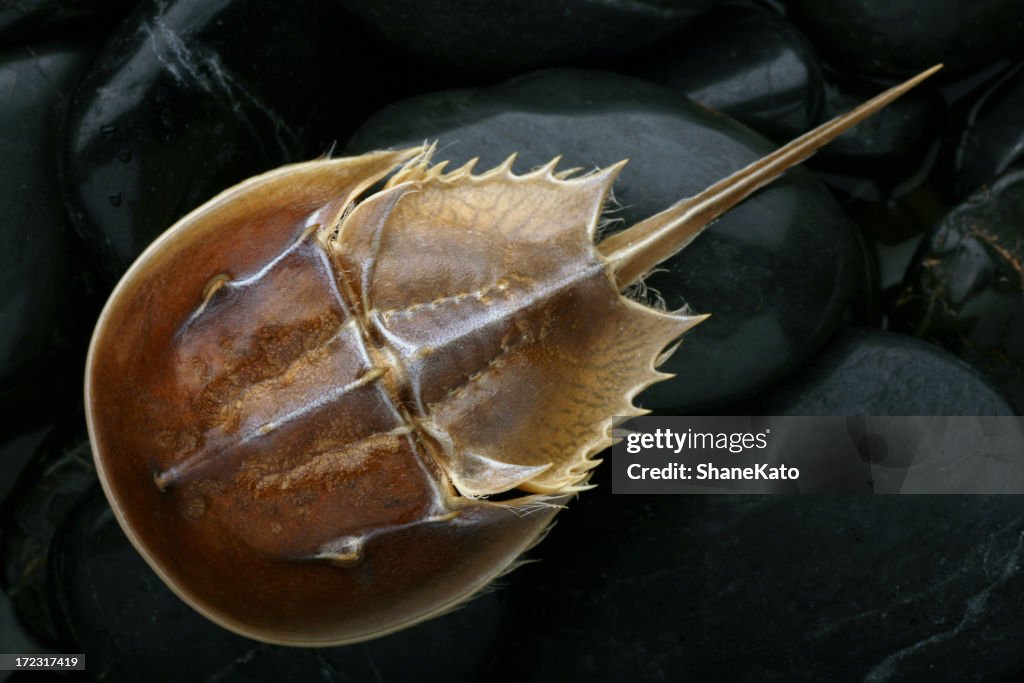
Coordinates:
[132,627]
[898,38]
[889,212]
[31,19]
[746,62]
[775,588]
[894,142]
[965,288]
[60,476]
[870,372]
[990,137]
[508,34]
[192,96]
[38,265]
[866,306]
[893,261]
[879,169]
[13,637]
[16,449]
[776,272]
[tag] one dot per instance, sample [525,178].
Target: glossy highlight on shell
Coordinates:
[305,396]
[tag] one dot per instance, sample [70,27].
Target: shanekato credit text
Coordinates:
[667,439]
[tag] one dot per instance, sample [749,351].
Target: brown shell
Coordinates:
[300,399]
[298,402]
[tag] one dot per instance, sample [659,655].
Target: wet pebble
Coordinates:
[15,638]
[747,62]
[776,588]
[879,170]
[190,97]
[988,138]
[776,272]
[866,305]
[898,38]
[17,447]
[33,19]
[887,212]
[965,288]
[893,143]
[893,261]
[38,265]
[871,372]
[112,606]
[506,34]
[59,477]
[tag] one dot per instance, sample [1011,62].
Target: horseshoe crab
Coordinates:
[324,412]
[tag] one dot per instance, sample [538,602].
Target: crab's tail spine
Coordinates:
[633,252]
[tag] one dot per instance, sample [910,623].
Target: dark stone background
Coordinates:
[884,278]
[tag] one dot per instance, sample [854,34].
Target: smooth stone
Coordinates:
[889,213]
[898,38]
[893,143]
[893,261]
[60,476]
[871,372]
[866,305]
[14,638]
[965,288]
[774,589]
[112,606]
[747,62]
[38,413]
[958,91]
[989,137]
[879,170]
[776,272]
[192,96]
[23,20]
[16,450]
[38,264]
[515,34]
